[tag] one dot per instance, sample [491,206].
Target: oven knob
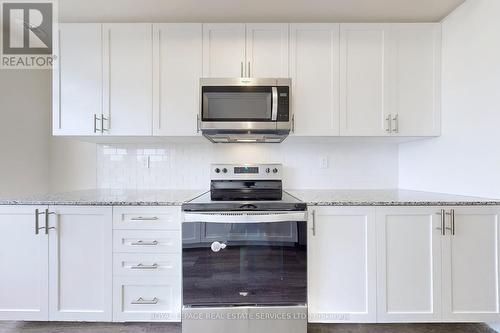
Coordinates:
[217,170]
[275,170]
[216,246]
[268,170]
[224,170]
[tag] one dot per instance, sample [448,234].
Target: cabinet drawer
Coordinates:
[146,241]
[147,299]
[164,218]
[131,264]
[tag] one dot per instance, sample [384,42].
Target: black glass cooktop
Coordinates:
[205,202]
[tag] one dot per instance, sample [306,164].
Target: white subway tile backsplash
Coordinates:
[355,165]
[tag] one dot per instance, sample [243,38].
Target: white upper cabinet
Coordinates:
[178,68]
[224,50]
[23,264]
[342,264]
[363,80]
[77,78]
[408,264]
[80,263]
[415,79]
[267,50]
[471,265]
[245,50]
[314,68]
[128,78]
[140,79]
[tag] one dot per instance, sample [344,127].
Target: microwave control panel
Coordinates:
[283,103]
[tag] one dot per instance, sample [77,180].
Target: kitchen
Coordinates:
[209,168]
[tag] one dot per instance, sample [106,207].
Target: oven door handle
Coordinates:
[274,111]
[245,217]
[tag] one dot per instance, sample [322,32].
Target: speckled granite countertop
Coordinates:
[390,197]
[108,198]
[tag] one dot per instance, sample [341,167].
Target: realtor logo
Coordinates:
[27,34]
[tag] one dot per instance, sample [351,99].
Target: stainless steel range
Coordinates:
[244,254]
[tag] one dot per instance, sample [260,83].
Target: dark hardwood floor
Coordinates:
[43,327]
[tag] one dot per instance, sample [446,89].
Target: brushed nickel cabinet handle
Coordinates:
[37,221]
[451,228]
[102,123]
[388,129]
[314,222]
[142,218]
[197,123]
[396,123]
[293,123]
[442,213]
[47,228]
[142,301]
[95,124]
[143,243]
[453,222]
[248,74]
[241,69]
[142,266]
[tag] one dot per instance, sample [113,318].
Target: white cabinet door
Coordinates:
[80,261]
[363,80]
[408,264]
[314,68]
[342,264]
[267,50]
[77,80]
[471,266]
[224,50]
[415,79]
[23,265]
[128,78]
[178,62]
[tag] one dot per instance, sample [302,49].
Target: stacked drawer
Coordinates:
[147,263]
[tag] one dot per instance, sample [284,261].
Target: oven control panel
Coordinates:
[246,171]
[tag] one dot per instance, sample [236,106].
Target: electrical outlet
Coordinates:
[323,162]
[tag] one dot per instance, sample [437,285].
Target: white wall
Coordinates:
[30,160]
[25,99]
[355,165]
[72,165]
[466,159]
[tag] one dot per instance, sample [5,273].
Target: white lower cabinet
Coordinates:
[147,264]
[471,265]
[408,264]
[61,273]
[80,263]
[432,264]
[23,264]
[342,265]
[425,275]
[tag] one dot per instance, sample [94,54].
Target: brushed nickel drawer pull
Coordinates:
[143,301]
[142,218]
[142,266]
[141,242]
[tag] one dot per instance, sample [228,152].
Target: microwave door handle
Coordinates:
[274,111]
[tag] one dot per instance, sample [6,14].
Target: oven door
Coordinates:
[244,262]
[239,107]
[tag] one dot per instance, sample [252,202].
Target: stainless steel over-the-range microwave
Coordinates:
[245,109]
